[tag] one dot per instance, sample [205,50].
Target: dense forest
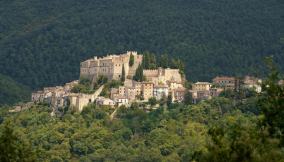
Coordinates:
[12,92]
[224,129]
[42,42]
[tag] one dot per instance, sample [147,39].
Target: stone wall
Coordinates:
[110,66]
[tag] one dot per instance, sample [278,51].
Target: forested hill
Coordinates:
[42,42]
[12,92]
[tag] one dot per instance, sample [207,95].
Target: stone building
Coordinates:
[105,102]
[78,100]
[110,66]
[178,94]
[121,100]
[160,91]
[147,90]
[225,82]
[215,92]
[161,75]
[201,86]
[199,96]
[252,83]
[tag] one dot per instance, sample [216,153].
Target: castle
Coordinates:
[110,66]
[159,83]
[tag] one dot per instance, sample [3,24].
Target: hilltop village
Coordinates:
[120,80]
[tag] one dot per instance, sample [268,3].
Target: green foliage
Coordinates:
[84,86]
[46,40]
[188,98]
[237,138]
[102,80]
[85,82]
[164,61]
[131,60]
[12,92]
[272,102]
[218,130]
[214,130]
[108,86]
[152,101]
[139,74]
[123,74]
[12,147]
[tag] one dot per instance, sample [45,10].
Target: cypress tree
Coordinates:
[131,60]
[123,74]
[139,74]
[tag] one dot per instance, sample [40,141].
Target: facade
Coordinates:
[201,86]
[110,66]
[178,94]
[174,85]
[78,101]
[131,93]
[161,76]
[160,91]
[252,83]
[121,100]
[225,82]
[199,96]
[215,92]
[105,102]
[147,90]
[50,94]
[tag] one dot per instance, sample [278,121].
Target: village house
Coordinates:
[225,82]
[215,92]
[121,100]
[178,94]
[160,91]
[199,96]
[147,89]
[174,85]
[201,86]
[159,83]
[252,83]
[105,102]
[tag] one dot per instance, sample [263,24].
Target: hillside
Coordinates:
[223,129]
[12,92]
[43,42]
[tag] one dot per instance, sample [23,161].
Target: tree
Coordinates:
[164,61]
[149,61]
[139,74]
[238,138]
[122,74]
[272,102]
[152,101]
[178,64]
[12,148]
[187,98]
[131,60]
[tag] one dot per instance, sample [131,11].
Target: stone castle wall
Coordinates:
[161,75]
[110,66]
